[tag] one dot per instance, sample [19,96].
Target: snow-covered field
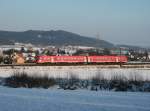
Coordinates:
[83,72]
[53,99]
[65,100]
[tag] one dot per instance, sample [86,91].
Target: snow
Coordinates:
[83,72]
[22,99]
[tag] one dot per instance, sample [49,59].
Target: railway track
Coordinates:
[122,64]
[137,63]
[33,64]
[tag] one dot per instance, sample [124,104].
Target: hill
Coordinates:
[57,38]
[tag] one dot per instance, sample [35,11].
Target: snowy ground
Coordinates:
[64,100]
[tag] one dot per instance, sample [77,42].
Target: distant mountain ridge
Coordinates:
[58,38]
[133,47]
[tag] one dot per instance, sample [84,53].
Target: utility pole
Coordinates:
[120,56]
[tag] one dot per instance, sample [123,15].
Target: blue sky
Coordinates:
[117,21]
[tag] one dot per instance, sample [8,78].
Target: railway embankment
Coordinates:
[80,71]
[93,77]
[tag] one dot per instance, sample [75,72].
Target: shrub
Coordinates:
[22,79]
[98,82]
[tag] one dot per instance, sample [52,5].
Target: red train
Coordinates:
[81,59]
